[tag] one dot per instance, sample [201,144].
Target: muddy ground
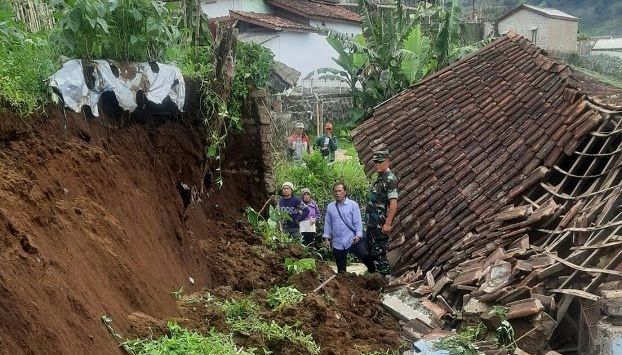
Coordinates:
[92,223]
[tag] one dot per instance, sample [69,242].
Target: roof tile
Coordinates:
[470,132]
[316,10]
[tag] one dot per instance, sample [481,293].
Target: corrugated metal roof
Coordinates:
[545,11]
[551,12]
[607,44]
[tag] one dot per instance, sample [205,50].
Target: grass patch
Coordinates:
[282,296]
[611,80]
[242,317]
[183,341]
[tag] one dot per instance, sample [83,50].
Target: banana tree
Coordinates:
[352,58]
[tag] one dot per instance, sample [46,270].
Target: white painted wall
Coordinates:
[553,34]
[302,51]
[217,8]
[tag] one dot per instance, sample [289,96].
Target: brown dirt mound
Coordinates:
[92,223]
[345,317]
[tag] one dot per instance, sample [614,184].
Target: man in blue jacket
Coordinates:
[343,230]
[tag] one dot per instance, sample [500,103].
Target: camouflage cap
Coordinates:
[380,156]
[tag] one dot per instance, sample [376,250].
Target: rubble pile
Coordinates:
[510,175]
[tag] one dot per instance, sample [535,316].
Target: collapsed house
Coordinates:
[510,181]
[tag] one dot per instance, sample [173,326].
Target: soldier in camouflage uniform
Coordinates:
[381,210]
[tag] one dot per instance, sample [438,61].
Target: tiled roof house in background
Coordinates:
[501,156]
[289,28]
[550,29]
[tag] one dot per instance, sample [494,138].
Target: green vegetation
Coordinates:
[270,227]
[604,78]
[396,49]
[462,343]
[126,30]
[183,341]
[26,61]
[238,309]
[221,115]
[295,267]
[283,296]
[242,316]
[604,67]
[319,177]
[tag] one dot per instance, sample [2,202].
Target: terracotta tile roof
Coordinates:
[316,10]
[270,21]
[222,20]
[467,141]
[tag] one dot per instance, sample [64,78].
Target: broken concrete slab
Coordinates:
[405,307]
[611,303]
[416,328]
[475,307]
[608,339]
[403,311]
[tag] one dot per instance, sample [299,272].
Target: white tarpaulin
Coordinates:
[132,77]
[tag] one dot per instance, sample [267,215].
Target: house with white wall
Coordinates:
[290,28]
[608,46]
[548,28]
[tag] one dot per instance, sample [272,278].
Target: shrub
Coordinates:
[126,30]
[183,341]
[282,296]
[26,61]
[600,63]
[319,177]
[295,267]
[242,316]
[270,228]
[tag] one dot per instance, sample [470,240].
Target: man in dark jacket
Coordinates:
[327,143]
[295,208]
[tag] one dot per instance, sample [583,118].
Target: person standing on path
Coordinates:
[298,143]
[295,208]
[327,143]
[308,227]
[381,210]
[343,230]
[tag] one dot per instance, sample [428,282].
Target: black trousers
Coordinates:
[308,238]
[357,249]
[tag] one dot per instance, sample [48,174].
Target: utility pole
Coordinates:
[473,13]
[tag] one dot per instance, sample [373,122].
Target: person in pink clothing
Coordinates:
[308,227]
[298,143]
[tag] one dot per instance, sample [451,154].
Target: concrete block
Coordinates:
[475,307]
[608,339]
[403,311]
